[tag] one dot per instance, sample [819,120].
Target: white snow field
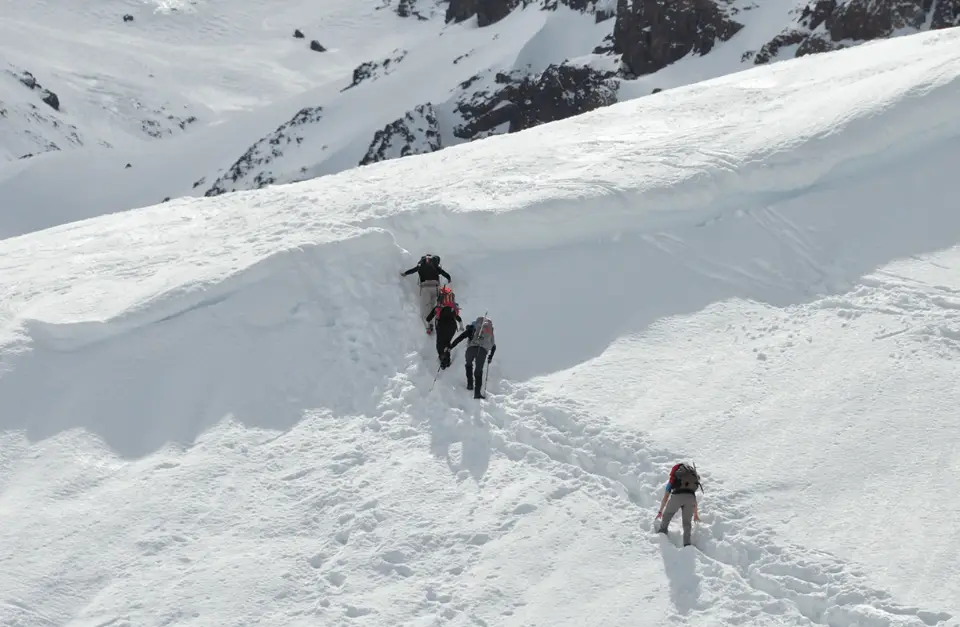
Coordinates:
[221,411]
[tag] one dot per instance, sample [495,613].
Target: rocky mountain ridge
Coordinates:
[643,38]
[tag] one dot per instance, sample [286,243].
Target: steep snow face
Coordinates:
[223,410]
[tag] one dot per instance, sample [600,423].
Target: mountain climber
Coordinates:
[681,490]
[482,345]
[447,315]
[429,272]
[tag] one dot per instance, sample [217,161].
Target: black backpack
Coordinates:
[433,260]
[686,478]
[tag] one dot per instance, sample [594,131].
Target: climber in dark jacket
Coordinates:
[429,271]
[482,345]
[447,315]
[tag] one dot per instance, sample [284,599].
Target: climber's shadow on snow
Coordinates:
[680,567]
[559,307]
[464,442]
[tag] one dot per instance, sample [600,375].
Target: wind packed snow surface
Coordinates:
[223,410]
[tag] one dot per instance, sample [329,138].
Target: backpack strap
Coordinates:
[673,474]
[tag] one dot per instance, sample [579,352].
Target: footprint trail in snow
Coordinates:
[739,567]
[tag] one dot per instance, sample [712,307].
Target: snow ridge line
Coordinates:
[704,185]
[165,306]
[776,579]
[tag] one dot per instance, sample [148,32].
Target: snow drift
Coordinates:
[217,410]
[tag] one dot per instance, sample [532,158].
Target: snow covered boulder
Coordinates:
[31,120]
[410,8]
[416,133]
[652,34]
[48,97]
[525,101]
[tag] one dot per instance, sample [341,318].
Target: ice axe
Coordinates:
[486,380]
[439,368]
[435,379]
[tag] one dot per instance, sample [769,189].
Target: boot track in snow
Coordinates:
[740,565]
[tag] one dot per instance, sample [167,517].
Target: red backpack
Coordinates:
[446,298]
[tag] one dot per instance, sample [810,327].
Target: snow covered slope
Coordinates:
[367,106]
[153,95]
[219,410]
[131,102]
[148,69]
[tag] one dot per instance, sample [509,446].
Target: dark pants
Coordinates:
[476,356]
[445,332]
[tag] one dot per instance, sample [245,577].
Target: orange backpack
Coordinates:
[446,298]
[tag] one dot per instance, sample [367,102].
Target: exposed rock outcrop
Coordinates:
[647,34]
[487,11]
[524,101]
[372,70]
[29,80]
[32,120]
[413,8]
[492,11]
[251,170]
[164,125]
[652,34]
[825,25]
[415,133]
